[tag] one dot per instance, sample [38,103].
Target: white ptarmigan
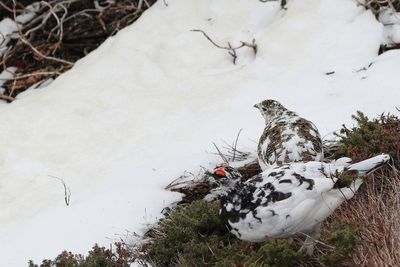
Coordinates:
[287,137]
[289,200]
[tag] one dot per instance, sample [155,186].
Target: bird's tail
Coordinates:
[369,165]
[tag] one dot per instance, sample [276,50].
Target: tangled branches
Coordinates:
[52,35]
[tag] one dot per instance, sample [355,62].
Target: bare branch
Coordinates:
[7,98]
[25,41]
[230,48]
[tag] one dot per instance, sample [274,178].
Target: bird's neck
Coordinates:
[279,116]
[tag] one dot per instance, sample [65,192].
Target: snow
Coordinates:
[145,106]
[396,33]
[7,27]
[389,16]
[5,75]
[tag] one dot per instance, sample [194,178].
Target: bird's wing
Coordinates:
[289,185]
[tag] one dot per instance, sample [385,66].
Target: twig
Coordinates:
[212,252]
[67,191]
[6,97]
[59,22]
[316,240]
[220,153]
[25,41]
[147,3]
[209,39]
[139,7]
[40,25]
[5,7]
[230,48]
[13,87]
[82,12]
[31,74]
[235,145]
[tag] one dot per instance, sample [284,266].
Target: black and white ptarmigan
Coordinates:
[287,137]
[290,200]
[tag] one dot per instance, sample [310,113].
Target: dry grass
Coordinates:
[375,211]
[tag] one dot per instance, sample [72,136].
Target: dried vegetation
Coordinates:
[60,33]
[375,208]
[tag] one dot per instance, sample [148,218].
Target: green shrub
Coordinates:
[345,241]
[187,231]
[276,253]
[236,254]
[370,137]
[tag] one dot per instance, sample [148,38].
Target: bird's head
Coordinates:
[226,175]
[270,109]
[223,180]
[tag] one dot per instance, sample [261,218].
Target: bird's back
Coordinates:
[289,138]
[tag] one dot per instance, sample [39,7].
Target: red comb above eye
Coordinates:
[220,172]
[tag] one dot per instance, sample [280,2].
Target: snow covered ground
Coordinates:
[147,105]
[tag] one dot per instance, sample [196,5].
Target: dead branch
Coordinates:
[25,41]
[7,98]
[231,152]
[47,73]
[35,50]
[6,7]
[231,50]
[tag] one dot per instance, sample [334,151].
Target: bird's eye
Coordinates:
[264,109]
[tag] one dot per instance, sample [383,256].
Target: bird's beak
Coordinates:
[256,106]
